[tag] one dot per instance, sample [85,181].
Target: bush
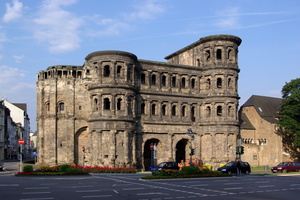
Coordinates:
[190,170]
[28,168]
[64,168]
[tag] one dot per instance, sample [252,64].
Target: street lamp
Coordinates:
[192,137]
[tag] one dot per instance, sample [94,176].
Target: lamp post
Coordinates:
[192,137]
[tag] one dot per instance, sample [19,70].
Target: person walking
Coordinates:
[238,168]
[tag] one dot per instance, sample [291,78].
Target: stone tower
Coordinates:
[116,105]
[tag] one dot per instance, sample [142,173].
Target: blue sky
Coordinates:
[37,34]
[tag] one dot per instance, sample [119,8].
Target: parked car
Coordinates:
[1,166]
[165,165]
[285,167]
[231,167]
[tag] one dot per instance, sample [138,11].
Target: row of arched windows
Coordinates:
[187,82]
[186,110]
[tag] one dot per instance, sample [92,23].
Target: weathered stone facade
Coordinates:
[262,144]
[115,105]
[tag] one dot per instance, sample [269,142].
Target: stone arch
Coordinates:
[181,147]
[80,141]
[147,152]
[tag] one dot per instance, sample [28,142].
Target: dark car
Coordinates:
[165,165]
[231,167]
[1,166]
[285,167]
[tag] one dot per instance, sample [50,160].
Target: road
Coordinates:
[131,187]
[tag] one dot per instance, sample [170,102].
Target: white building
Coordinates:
[18,113]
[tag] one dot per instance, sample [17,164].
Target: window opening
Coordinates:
[219,111]
[164,110]
[207,55]
[143,108]
[163,80]
[153,109]
[208,111]
[183,111]
[219,54]
[183,82]
[143,79]
[193,83]
[219,83]
[106,71]
[119,103]
[106,104]
[95,104]
[208,83]
[173,110]
[174,81]
[153,79]
[61,106]
[193,118]
[119,69]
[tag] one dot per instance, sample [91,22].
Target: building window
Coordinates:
[143,77]
[193,83]
[208,111]
[106,72]
[163,80]
[193,118]
[153,109]
[230,111]
[174,81]
[119,70]
[119,104]
[143,108]
[183,82]
[95,104]
[153,79]
[164,110]
[219,111]
[207,55]
[219,83]
[173,110]
[47,105]
[183,111]
[61,106]
[208,83]
[219,54]
[106,104]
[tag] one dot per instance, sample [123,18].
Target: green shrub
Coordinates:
[28,168]
[64,168]
[190,170]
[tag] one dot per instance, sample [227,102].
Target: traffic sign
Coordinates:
[21,141]
[151,146]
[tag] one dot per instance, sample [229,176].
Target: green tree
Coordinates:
[289,120]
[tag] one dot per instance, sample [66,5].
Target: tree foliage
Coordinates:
[289,121]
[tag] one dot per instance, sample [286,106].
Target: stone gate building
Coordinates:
[116,105]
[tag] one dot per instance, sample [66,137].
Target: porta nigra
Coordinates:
[115,105]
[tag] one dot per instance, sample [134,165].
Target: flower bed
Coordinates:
[72,170]
[186,172]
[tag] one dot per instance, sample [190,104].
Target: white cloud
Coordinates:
[229,19]
[18,58]
[148,9]
[58,28]
[13,12]
[143,10]
[12,78]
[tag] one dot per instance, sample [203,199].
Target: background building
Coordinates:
[262,144]
[116,105]
[14,125]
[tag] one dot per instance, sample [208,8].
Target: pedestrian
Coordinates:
[238,168]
